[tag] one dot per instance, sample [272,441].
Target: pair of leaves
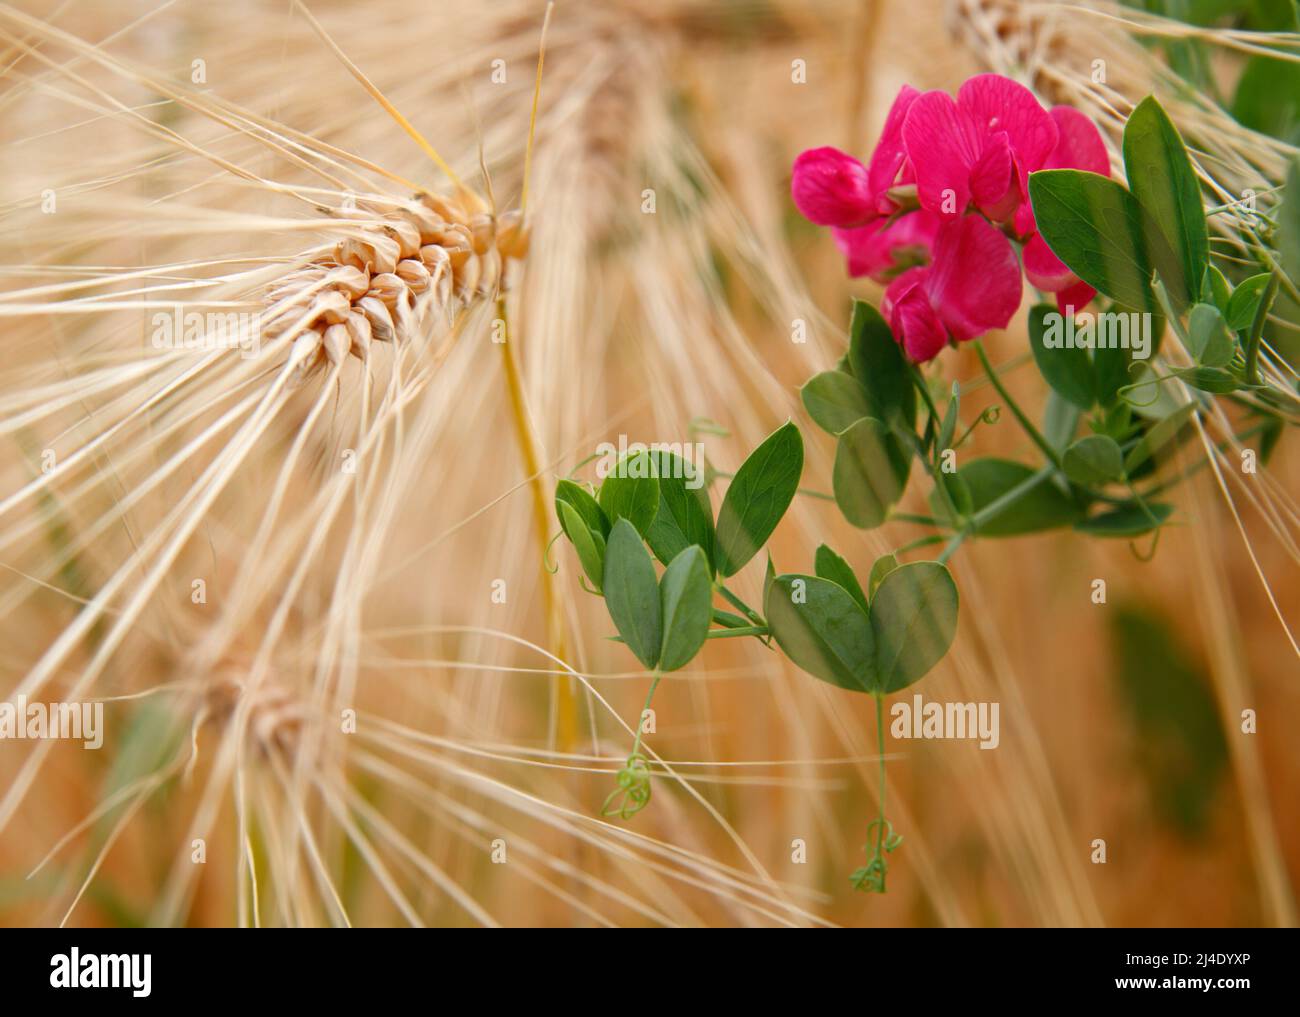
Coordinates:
[664,622]
[658,492]
[825,624]
[866,408]
[652,497]
[663,497]
[586,526]
[1114,238]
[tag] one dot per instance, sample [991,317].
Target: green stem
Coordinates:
[1053,456]
[958,539]
[919,379]
[909,517]
[1010,497]
[640,720]
[749,630]
[1257,331]
[741,606]
[934,538]
[880,748]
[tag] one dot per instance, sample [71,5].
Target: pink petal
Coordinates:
[912,319]
[876,249]
[889,156]
[992,181]
[1023,222]
[1044,269]
[995,103]
[1079,144]
[942,147]
[1078,296]
[974,283]
[830,188]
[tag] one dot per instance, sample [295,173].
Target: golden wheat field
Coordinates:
[309,579]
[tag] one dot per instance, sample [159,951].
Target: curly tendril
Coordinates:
[871,877]
[633,791]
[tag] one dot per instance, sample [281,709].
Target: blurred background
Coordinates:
[469,791]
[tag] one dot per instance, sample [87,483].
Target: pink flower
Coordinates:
[980,147]
[1079,146]
[884,247]
[954,274]
[889,162]
[972,286]
[832,188]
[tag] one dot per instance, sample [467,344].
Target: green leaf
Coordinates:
[589,543]
[1066,369]
[1170,720]
[1245,300]
[914,620]
[948,428]
[879,365]
[1288,224]
[1210,379]
[882,566]
[958,493]
[1097,228]
[729,620]
[1111,370]
[1161,177]
[1271,434]
[1117,422]
[822,629]
[1208,338]
[1060,421]
[1157,436]
[1215,287]
[1129,520]
[760,492]
[631,492]
[685,517]
[1094,461]
[685,600]
[1268,98]
[829,565]
[834,400]
[581,501]
[1042,507]
[870,473]
[632,592]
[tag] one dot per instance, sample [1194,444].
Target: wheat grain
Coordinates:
[397,266]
